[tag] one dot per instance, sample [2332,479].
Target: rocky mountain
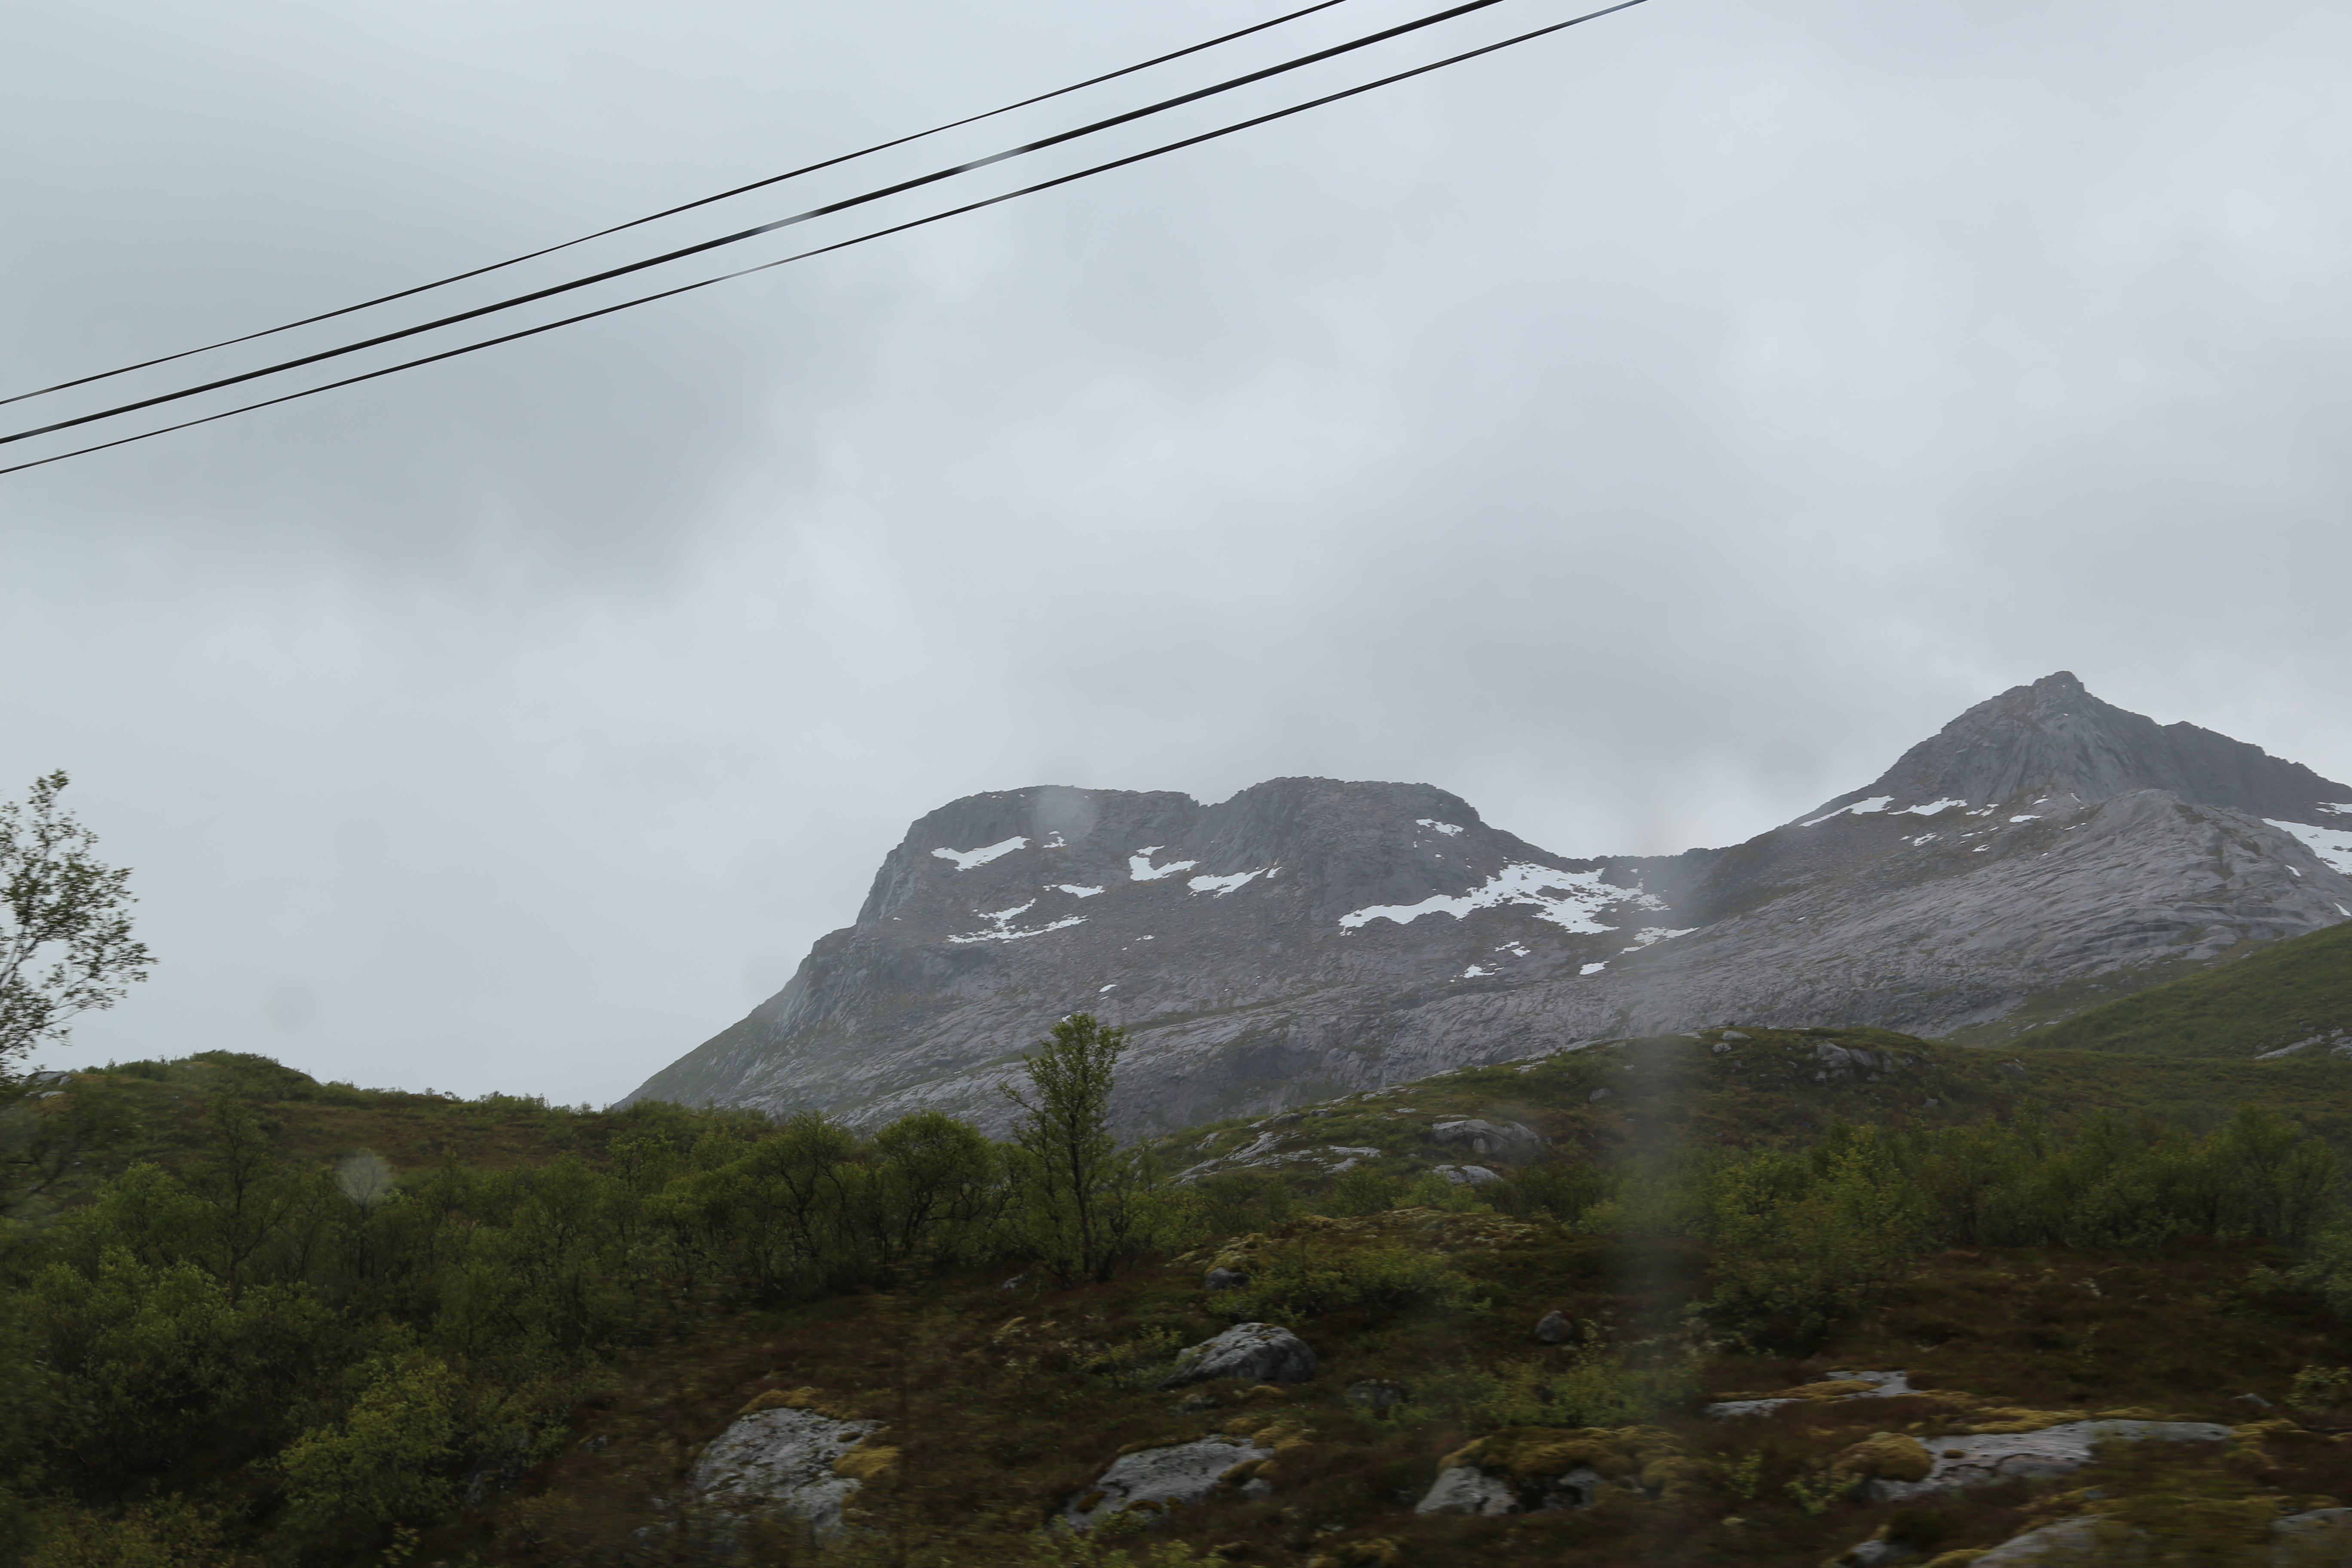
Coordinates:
[1310,937]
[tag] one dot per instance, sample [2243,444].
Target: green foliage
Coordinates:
[1366,1190]
[388,1459]
[1802,1240]
[170,1532]
[1231,1202]
[1305,1279]
[1432,1191]
[2281,993]
[1815,1493]
[65,946]
[2321,1388]
[1590,1388]
[1083,1205]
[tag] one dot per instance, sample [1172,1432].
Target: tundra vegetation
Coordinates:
[252,1319]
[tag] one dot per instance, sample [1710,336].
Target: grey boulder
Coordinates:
[781,1459]
[1466,1489]
[1254,1352]
[1964,1460]
[1180,1474]
[1479,1137]
[1554,1328]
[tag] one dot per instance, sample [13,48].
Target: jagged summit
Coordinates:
[1312,936]
[2055,737]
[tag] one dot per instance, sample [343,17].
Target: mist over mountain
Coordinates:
[1308,937]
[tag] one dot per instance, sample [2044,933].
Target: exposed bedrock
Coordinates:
[1310,937]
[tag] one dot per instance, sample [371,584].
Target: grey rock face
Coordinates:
[1466,1489]
[1964,1460]
[1468,1175]
[781,1459]
[1883,1385]
[1182,1473]
[2062,1541]
[1308,938]
[1476,1137]
[1254,1352]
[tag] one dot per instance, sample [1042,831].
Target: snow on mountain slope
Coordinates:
[1310,936]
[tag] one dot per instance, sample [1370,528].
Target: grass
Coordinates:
[2272,997]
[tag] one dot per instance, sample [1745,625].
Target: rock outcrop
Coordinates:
[782,1459]
[1253,1352]
[1150,1480]
[1308,938]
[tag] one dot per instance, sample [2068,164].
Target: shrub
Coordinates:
[1591,1390]
[388,1459]
[1303,1279]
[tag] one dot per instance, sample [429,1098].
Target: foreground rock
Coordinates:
[1254,1352]
[1156,1478]
[1538,1470]
[1830,1385]
[1962,1461]
[783,1459]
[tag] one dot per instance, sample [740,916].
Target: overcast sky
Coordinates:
[1646,433]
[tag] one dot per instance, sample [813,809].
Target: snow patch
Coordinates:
[1859,808]
[1005,930]
[1649,935]
[1594,968]
[1476,973]
[1932,806]
[2332,844]
[1447,828]
[1220,885]
[1140,866]
[2026,818]
[1076,892]
[965,860]
[1568,899]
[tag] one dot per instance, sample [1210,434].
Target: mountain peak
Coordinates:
[2055,738]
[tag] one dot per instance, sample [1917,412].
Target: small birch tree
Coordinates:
[1084,1206]
[65,945]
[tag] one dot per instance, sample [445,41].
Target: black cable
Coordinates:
[1433,19]
[845,244]
[685,206]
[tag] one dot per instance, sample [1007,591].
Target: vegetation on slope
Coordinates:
[265,1320]
[2291,991]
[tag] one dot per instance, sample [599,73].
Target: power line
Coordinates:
[845,244]
[829,208]
[683,206]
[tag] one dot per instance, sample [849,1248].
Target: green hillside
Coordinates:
[2278,996]
[226,1344]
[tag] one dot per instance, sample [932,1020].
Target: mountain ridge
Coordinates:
[1307,937]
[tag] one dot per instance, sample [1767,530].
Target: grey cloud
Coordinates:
[1644,434]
